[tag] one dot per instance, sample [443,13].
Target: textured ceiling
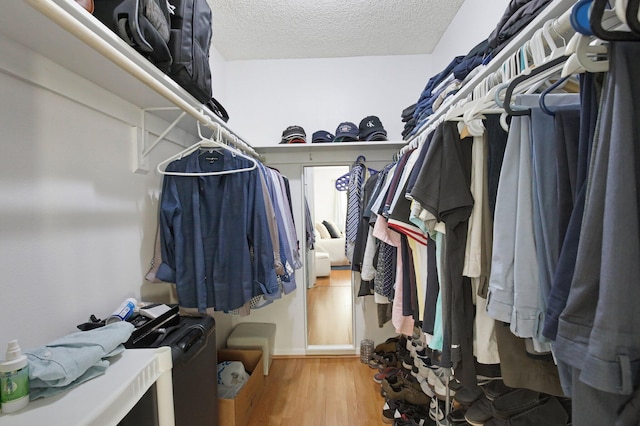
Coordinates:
[293,29]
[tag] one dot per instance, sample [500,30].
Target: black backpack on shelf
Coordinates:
[143,24]
[174,35]
[189,44]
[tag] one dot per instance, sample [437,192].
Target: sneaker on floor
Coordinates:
[389,410]
[417,413]
[437,412]
[454,384]
[408,394]
[423,362]
[387,346]
[457,416]
[424,385]
[437,380]
[405,357]
[387,372]
[415,396]
[402,422]
[392,386]
[415,372]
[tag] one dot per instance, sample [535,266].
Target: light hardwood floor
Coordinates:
[333,391]
[329,310]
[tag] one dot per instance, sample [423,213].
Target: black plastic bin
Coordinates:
[194,375]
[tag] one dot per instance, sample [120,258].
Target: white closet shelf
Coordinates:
[64,33]
[106,399]
[335,147]
[330,152]
[24,23]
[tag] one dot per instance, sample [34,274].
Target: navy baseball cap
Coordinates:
[346,132]
[371,129]
[322,136]
[294,134]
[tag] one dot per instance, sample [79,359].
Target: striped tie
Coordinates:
[354,207]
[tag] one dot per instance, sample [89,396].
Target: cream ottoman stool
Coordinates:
[254,335]
[323,264]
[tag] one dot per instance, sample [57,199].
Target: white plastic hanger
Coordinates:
[586,55]
[207,143]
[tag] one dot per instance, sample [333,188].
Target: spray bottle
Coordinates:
[14,379]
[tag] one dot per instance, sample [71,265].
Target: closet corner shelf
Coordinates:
[106,399]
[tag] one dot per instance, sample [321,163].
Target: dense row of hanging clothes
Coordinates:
[516,242]
[226,234]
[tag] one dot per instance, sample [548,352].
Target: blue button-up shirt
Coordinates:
[215,237]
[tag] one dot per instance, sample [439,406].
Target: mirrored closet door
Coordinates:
[329,304]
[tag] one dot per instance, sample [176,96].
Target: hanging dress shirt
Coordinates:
[214,231]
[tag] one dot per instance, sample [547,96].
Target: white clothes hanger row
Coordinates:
[542,57]
[221,141]
[549,41]
[546,45]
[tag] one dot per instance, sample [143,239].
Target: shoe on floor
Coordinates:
[416,413]
[479,412]
[457,416]
[414,396]
[387,372]
[387,346]
[437,380]
[437,412]
[466,396]
[516,402]
[496,422]
[389,410]
[548,413]
[495,389]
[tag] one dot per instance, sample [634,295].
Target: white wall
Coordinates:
[329,203]
[264,97]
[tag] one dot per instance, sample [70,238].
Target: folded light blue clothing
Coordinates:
[74,359]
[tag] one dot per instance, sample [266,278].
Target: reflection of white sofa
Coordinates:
[334,247]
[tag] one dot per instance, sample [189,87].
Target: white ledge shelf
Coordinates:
[106,399]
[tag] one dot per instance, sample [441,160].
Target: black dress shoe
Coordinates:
[549,413]
[516,402]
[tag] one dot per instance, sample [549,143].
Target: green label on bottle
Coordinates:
[14,385]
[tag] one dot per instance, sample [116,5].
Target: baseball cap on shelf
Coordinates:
[294,134]
[346,132]
[371,129]
[322,136]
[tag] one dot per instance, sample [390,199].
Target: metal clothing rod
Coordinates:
[560,25]
[79,26]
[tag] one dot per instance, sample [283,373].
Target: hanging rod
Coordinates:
[560,25]
[75,20]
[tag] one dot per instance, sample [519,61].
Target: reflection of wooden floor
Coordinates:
[329,308]
[319,392]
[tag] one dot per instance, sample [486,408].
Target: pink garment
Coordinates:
[403,324]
